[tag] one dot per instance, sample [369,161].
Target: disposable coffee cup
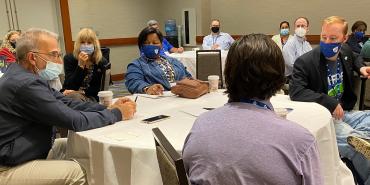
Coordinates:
[282,112]
[105,98]
[213,82]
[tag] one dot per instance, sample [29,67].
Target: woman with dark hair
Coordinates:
[152,73]
[357,38]
[281,38]
[245,140]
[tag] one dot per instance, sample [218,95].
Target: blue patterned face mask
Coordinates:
[150,51]
[284,31]
[87,48]
[359,35]
[329,49]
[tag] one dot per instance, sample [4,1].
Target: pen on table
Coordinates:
[136,98]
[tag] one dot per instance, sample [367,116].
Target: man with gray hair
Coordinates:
[166,46]
[29,110]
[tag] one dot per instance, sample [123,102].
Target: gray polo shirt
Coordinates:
[241,143]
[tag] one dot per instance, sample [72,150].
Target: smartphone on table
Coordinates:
[155,119]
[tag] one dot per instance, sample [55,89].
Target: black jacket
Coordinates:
[353,43]
[309,80]
[74,76]
[29,109]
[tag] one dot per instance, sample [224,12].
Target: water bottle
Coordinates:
[170,27]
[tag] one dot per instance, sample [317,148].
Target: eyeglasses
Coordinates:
[54,54]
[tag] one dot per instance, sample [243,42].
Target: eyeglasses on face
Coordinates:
[55,54]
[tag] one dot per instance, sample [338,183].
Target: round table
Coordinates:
[124,153]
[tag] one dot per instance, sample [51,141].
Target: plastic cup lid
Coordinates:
[213,77]
[105,93]
[281,111]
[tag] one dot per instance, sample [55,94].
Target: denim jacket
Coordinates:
[142,73]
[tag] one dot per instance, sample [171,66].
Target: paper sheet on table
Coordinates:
[121,136]
[194,111]
[165,94]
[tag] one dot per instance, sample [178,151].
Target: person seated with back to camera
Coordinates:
[246,141]
[152,72]
[84,68]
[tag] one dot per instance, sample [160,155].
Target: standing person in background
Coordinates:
[166,46]
[357,38]
[281,38]
[217,39]
[297,45]
[7,48]
[84,68]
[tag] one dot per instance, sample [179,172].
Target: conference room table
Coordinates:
[188,58]
[124,153]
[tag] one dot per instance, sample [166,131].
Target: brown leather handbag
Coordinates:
[190,88]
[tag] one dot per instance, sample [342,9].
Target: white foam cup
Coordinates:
[213,82]
[105,97]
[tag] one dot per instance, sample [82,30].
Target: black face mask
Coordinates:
[13,44]
[215,29]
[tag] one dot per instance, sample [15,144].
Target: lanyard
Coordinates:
[256,103]
[335,85]
[214,40]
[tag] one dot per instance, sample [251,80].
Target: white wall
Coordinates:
[248,16]
[126,18]
[35,13]
[114,19]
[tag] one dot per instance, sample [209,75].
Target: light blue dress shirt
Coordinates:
[222,39]
[294,48]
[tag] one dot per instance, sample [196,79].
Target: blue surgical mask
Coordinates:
[359,35]
[51,71]
[329,49]
[284,31]
[150,51]
[87,48]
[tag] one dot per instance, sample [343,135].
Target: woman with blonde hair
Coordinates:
[7,48]
[84,68]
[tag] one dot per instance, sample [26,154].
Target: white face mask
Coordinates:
[300,32]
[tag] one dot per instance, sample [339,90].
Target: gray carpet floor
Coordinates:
[119,89]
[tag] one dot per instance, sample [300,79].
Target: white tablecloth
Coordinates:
[188,58]
[124,153]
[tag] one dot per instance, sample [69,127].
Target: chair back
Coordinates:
[170,162]
[106,78]
[208,62]
[105,81]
